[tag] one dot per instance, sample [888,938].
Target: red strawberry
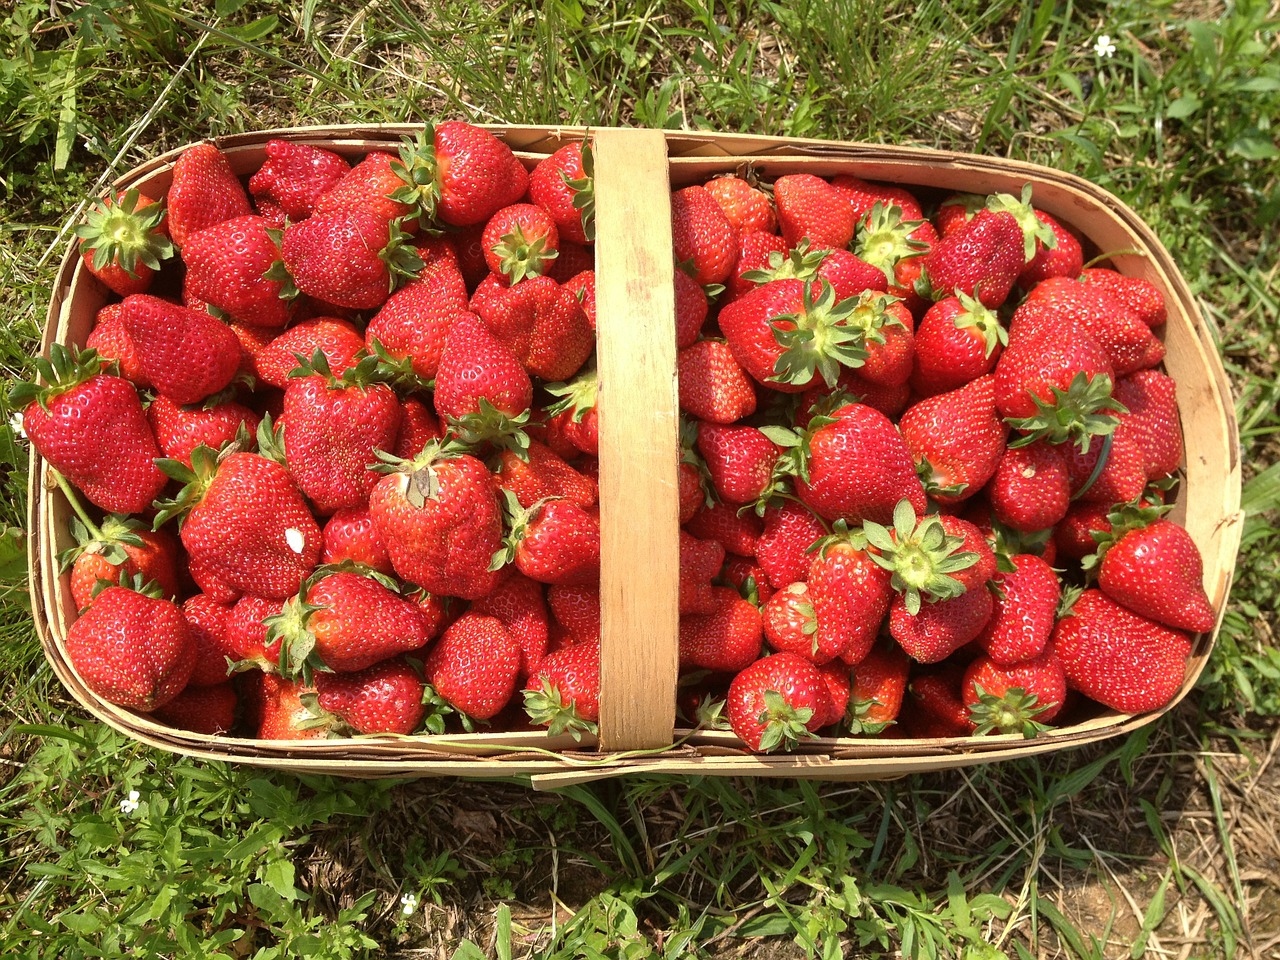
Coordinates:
[519,604]
[351,537]
[747,577]
[109,339]
[939,628]
[791,624]
[1141,296]
[120,547]
[760,255]
[1156,571]
[896,242]
[1151,398]
[583,286]
[543,475]
[875,695]
[712,386]
[1014,699]
[577,608]
[475,367]
[439,517]
[957,210]
[187,355]
[700,561]
[1064,259]
[248,634]
[418,427]
[935,558]
[863,197]
[292,178]
[956,439]
[179,430]
[934,707]
[721,522]
[209,710]
[776,702]
[554,541]
[349,259]
[124,241]
[564,694]
[982,259]
[337,339]
[474,666]
[885,329]
[740,460]
[282,713]
[540,321]
[207,621]
[229,266]
[1109,473]
[854,465]
[563,185]
[467,175]
[692,494]
[520,241]
[385,698]
[368,186]
[810,207]
[1031,488]
[573,415]
[783,548]
[725,640]
[958,340]
[204,191]
[747,208]
[850,593]
[132,650]
[248,530]
[333,428]
[1026,607]
[1118,658]
[839,680]
[702,235]
[91,428]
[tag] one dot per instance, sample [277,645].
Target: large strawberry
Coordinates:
[480,377]
[934,558]
[131,649]
[739,459]
[1031,487]
[981,259]
[712,386]
[352,258]
[1152,419]
[229,267]
[519,604]
[776,702]
[554,541]
[746,207]
[460,174]
[369,186]
[204,191]
[1155,570]
[958,340]
[541,322]
[811,208]
[540,475]
[1137,293]
[124,241]
[1026,606]
[564,694]
[850,593]
[439,517]
[474,666]
[1014,699]
[187,355]
[337,339]
[91,428]
[956,439]
[1119,658]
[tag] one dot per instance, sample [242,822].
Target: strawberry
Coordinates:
[747,208]
[810,207]
[878,685]
[207,622]
[333,428]
[577,607]
[120,547]
[563,185]
[863,197]
[850,593]
[418,427]
[1156,571]
[385,698]
[564,694]
[520,241]
[412,326]
[439,517]
[1152,419]
[368,186]
[1065,258]
[725,640]
[982,259]
[541,476]
[1014,699]
[760,256]
[700,561]
[464,176]
[1031,487]
[351,537]
[956,439]
[574,413]
[1026,606]
[540,321]
[582,285]
[124,241]
[187,355]
[934,558]
[691,492]
[1119,658]
[791,624]
[747,577]
[479,371]
[1140,295]
[337,339]
[1073,536]
[474,666]
[853,464]
[208,710]
[109,339]
[885,329]
[247,528]
[776,702]
[554,541]
[92,430]
[179,430]
[229,266]
[736,532]
[956,211]
[939,628]
[282,713]
[712,386]
[131,649]
[896,241]
[346,622]
[292,178]
[934,707]
[204,191]
[248,634]
[351,258]
[519,604]
[702,235]
[740,460]
[790,530]
[1110,472]
[958,340]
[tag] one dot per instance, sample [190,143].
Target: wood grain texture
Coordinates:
[636,360]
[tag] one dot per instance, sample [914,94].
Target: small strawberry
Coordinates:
[934,707]
[519,604]
[229,266]
[204,191]
[1065,258]
[92,430]
[208,710]
[187,355]
[1151,399]
[1155,570]
[131,649]
[1112,471]
[179,430]
[746,207]
[810,207]
[282,713]
[747,577]
[351,537]
[702,235]
[577,607]
[337,339]
[776,702]
[554,541]
[1026,607]
[958,340]
[956,439]
[700,561]
[543,475]
[875,695]
[760,254]
[940,628]
[418,427]
[117,547]
[783,548]
[385,698]
[838,677]
[564,694]
[1141,296]
[292,178]
[1031,487]
[712,386]
[791,624]
[574,413]
[981,259]
[109,339]
[725,640]
[864,196]
[563,185]
[124,241]
[740,460]
[850,593]
[896,241]
[1119,658]
[885,327]
[934,558]
[520,241]
[248,633]
[1014,699]
[474,666]
[351,259]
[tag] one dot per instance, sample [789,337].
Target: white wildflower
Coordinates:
[408,903]
[131,804]
[17,426]
[1104,46]
[294,538]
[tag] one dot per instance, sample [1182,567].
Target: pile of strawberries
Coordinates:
[924,469]
[332,451]
[364,397]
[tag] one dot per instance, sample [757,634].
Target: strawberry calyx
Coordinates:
[195,480]
[689,454]
[436,717]
[1086,409]
[1009,543]
[782,726]
[884,239]
[920,554]
[119,231]
[319,718]
[371,368]
[402,258]
[491,426]
[134,583]
[1123,519]
[522,256]
[518,520]
[547,707]
[855,718]
[107,539]
[794,460]
[982,320]
[870,315]
[935,482]
[1033,228]
[817,340]
[1013,712]
[419,168]
[423,483]
[584,190]
[800,263]
[62,371]
[578,395]
[840,535]
[291,627]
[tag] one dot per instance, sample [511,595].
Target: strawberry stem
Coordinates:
[68,492]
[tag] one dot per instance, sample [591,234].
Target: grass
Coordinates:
[1163,844]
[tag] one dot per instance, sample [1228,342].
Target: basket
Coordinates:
[635,172]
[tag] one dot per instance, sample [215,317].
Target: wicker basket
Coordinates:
[635,171]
